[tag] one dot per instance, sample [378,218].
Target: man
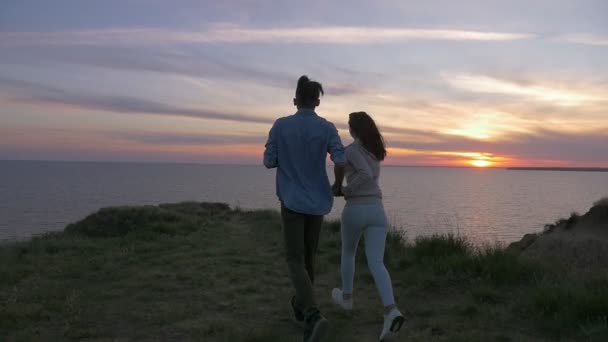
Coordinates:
[297,146]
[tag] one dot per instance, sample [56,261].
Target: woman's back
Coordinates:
[362,173]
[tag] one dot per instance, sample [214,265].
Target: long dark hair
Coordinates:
[364,128]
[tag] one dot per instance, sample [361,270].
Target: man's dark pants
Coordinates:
[301,234]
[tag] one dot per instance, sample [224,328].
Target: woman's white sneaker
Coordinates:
[338,297]
[392,324]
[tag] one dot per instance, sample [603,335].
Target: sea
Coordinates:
[484,205]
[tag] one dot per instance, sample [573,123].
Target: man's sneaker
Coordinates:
[338,297]
[392,324]
[298,315]
[316,327]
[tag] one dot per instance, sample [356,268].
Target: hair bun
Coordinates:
[303,80]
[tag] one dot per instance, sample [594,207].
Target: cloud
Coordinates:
[28,93]
[25,92]
[552,94]
[161,138]
[237,34]
[188,65]
[589,146]
[180,62]
[578,146]
[353,35]
[584,38]
[582,148]
[170,61]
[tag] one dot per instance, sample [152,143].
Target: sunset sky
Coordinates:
[458,83]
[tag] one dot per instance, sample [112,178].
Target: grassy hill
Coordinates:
[205,272]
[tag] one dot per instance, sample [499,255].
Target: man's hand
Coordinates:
[338,179]
[337,190]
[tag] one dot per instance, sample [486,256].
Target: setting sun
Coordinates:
[480,163]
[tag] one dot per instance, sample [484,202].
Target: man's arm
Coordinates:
[339,178]
[271,155]
[336,152]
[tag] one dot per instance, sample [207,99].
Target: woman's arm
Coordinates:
[363,172]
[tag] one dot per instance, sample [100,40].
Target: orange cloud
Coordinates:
[401,156]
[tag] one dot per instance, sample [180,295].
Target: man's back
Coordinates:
[298,145]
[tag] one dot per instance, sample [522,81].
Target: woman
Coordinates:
[364,215]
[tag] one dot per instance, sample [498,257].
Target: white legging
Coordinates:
[370,220]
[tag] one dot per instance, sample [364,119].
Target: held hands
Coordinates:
[336,189]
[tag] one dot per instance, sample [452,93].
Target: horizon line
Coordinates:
[328,164]
[200,163]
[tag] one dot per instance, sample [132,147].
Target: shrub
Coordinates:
[562,309]
[599,211]
[438,246]
[571,221]
[501,267]
[203,209]
[334,226]
[601,203]
[262,219]
[115,222]
[486,295]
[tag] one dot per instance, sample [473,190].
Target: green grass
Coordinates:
[193,272]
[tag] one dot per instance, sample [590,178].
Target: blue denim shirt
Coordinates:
[297,146]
